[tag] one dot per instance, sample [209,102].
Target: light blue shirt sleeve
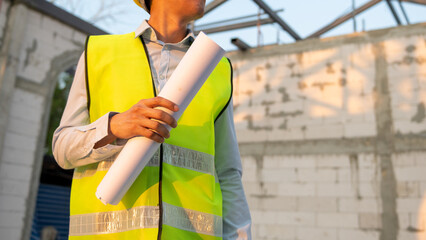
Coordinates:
[236,214]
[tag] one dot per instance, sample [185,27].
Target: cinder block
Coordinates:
[28,98]
[332,161]
[10,219]
[296,189]
[265,217]
[408,189]
[278,175]
[422,187]
[367,161]
[247,135]
[298,162]
[404,159]
[370,221]
[316,175]
[324,131]
[308,233]
[408,235]
[371,190]
[10,232]
[406,127]
[305,219]
[364,205]
[15,172]
[317,204]
[24,112]
[248,162]
[26,143]
[409,205]
[250,176]
[336,190]
[344,175]
[251,188]
[261,189]
[278,203]
[289,134]
[415,173]
[419,157]
[23,127]
[272,162]
[270,189]
[276,231]
[337,220]
[14,155]
[367,175]
[403,111]
[353,130]
[404,220]
[12,203]
[353,234]
[19,188]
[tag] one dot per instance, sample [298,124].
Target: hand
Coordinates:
[142,119]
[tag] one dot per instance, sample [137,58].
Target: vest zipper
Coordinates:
[160,194]
[160,177]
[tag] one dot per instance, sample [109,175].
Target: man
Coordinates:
[191,188]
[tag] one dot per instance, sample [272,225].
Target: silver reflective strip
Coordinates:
[191,220]
[90,170]
[115,221]
[189,159]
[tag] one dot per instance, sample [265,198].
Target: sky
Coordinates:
[303,16]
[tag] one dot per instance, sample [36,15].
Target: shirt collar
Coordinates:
[148,33]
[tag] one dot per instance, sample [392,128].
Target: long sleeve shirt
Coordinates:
[74,139]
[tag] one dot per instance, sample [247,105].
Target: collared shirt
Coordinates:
[74,139]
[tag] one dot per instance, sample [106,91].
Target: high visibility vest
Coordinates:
[177,195]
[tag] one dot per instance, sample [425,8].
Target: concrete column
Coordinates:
[13,39]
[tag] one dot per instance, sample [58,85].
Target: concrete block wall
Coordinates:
[332,136]
[41,48]
[3,16]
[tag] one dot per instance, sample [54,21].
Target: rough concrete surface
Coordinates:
[333,136]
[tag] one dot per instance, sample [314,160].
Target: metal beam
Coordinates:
[211,6]
[422,2]
[243,46]
[403,12]
[392,9]
[235,26]
[277,19]
[344,18]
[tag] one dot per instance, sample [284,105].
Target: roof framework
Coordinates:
[270,16]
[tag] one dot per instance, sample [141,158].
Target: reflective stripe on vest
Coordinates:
[173,155]
[145,217]
[187,202]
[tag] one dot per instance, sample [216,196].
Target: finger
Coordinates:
[161,102]
[159,115]
[144,132]
[155,126]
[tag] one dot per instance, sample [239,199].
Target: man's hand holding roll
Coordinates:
[142,119]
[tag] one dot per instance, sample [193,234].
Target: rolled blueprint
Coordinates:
[187,79]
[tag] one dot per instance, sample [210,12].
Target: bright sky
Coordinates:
[304,16]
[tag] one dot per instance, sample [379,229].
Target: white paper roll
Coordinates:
[185,82]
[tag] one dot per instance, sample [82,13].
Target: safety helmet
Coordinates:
[141,3]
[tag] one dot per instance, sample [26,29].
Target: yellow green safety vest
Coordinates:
[177,195]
